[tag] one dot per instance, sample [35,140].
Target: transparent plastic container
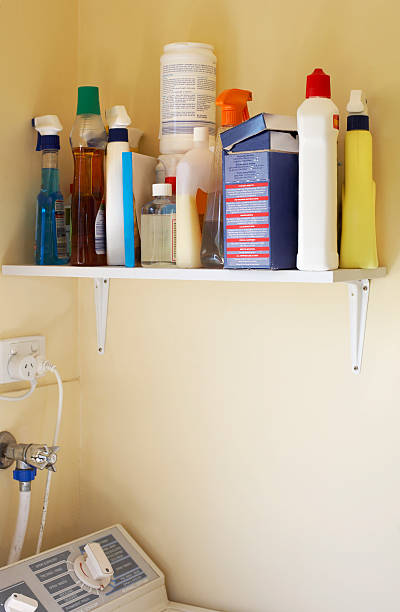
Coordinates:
[212,242]
[233,103]
[51,245]
[50,237]
[88,141]
[158,229]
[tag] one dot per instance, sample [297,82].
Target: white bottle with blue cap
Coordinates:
[118,121]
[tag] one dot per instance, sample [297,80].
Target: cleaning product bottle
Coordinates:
[192,178]
[118,122]
[51,245]
[187,94]
[233,103]
[88,141]
[358,244]
[158,228]
[318,127]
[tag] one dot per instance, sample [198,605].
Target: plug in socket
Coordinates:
[16,354]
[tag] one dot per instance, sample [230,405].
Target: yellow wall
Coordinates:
[223,426]
[38,43]
[231,437]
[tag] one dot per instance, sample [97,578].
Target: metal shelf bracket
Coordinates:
[358,296]
[101,287]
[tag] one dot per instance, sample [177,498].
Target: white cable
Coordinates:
[9,398]
[51,368]
[20,528]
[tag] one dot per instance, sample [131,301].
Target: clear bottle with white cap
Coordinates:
[193,175]
[158,229]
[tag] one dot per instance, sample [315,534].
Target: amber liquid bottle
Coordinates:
[88,221]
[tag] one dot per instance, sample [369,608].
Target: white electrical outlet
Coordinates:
[24,348]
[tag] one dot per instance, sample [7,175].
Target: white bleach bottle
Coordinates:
[318,128]
[118,121]
[193,174]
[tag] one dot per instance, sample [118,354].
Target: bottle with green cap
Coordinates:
[88,216]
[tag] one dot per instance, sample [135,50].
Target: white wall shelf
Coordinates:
[201,274]
[357,280]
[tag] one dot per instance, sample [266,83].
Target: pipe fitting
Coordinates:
[38,456]
[6,438]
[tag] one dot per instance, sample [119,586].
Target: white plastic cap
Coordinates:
[47,125]
[117,117]
[357,104]
[200,134]
[187,45]
[162,189]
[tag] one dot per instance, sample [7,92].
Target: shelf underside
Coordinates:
[201,274]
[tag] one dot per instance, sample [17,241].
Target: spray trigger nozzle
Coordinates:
[233,103]
[357,104]
[47,125]
[117,117]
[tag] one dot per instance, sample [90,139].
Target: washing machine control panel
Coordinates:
[79,576]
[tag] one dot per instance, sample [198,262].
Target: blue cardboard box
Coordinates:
[260,188]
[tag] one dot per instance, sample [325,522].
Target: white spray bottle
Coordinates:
[118,121]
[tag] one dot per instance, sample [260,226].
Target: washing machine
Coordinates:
[105,570]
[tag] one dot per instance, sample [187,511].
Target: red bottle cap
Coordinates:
[172,181]
[318,84]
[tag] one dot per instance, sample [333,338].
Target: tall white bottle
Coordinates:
[318,127]
[118,121]
[193,173]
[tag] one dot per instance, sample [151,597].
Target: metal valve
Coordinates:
[38,456]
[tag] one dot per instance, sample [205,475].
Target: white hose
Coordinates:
[20,528]
[53,369]
[25,496]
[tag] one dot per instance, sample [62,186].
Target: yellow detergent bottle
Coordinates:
[358,244]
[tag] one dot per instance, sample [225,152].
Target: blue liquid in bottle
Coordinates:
[51,242]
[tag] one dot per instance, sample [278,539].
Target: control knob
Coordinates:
[20,603]
[93,567]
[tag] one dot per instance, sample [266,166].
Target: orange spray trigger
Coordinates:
[233,103]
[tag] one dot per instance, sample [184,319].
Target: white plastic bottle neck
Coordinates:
[318,98]
[200,144]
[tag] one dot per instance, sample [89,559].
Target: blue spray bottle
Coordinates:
[51,243]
